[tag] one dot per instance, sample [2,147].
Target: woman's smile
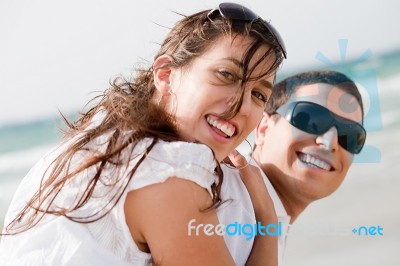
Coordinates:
[222,127]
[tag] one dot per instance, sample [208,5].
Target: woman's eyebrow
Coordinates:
[266,83]
[237,62]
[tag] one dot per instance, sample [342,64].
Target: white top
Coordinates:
[238,208]
[58,241]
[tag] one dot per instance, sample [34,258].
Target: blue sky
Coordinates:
[55,54]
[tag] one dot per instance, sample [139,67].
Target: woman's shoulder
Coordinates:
[181,152]
[190,161]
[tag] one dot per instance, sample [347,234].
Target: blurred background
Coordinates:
[57,55]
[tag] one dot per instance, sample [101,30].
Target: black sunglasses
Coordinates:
[316,119]
[238,12]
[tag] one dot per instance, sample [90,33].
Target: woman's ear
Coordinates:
[262,128]
[162,74]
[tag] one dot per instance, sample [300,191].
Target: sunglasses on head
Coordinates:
[238,12]
[316,119]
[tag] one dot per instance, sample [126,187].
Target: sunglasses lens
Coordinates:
[236,12]
[351,137]
[316,119]
[311,118]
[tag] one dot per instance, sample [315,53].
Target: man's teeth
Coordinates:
[224,127]
[314,162]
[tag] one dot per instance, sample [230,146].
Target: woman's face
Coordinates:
[206,89]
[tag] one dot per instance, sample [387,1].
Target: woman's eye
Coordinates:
[227,75]
[260,96]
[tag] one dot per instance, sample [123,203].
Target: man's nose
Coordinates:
[329,139]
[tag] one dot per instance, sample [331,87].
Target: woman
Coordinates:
[140,164]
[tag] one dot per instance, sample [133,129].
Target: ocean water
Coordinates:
[21,145]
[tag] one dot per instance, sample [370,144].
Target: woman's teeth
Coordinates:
[313,161]
[226,128]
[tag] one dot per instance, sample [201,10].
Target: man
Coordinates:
[304,146]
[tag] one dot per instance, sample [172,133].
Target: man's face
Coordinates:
[307,167]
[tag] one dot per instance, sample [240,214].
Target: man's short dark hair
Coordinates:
[285,88]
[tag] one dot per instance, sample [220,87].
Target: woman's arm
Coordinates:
[265,248]
[160,218]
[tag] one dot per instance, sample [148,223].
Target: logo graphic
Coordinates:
[232,229]
[334,230]
[361,72]
[368,231]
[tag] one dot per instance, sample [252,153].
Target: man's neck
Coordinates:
[293,205]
